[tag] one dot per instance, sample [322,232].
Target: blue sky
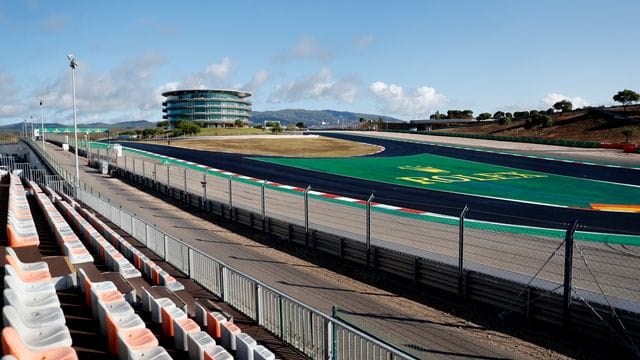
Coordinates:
[405,59]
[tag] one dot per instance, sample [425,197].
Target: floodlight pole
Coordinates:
[42,125]
[73,64]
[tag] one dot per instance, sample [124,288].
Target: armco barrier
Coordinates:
[537,300]
[315,334]
[571,143]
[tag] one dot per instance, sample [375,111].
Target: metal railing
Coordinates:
[310,331]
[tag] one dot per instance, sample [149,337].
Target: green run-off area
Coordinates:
[441,173]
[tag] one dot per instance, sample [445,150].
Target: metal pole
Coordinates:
[568,270]
[155,176]
[134,163]
[42,125]
[368,230]
[204,186]
[73,65]
[461,250]
[143,173]
[230,193]
[185,181]
[168,173]
[262,200]
[306,213]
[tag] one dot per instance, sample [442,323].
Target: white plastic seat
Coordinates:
[120,308]
[14,283]
[42,338]
[137,344]
[262,353]
[219,353]
[245,345]
[181,329]
[34,301]
[198,342]
[37,317]
[96,289]
[229,331]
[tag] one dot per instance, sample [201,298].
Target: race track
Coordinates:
[482,208]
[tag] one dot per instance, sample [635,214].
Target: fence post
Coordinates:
[461,251]
[204,188]
[368,230]
[263,204]
[134,164]
[168,173]
[568,270]
[306,215]
[230,196]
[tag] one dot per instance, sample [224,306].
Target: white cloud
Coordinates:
[553,98]
[220,70]
[307,48]
[319,86]
[394,100]
[9,106]
[125,89]
[364,41]
[258,79]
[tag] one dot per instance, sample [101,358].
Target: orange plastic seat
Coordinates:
[13,345]
[27,276]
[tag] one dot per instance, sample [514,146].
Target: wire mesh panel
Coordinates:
[218,188]
[240,292]
[177,253]
[345,221]
[206,271]
[521,255]
[247,196]
[431,237]
[284,206]
[607,273]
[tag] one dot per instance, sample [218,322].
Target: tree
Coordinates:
[483,116]
[162,124]
[300,125]
[238,123]
[183,127]
[520,114]
[563,105]
[504,121]
[498,115]
[550,111]
[626,97]
[627,132]
[276,128]
[509,115]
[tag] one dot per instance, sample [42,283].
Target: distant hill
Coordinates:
[315,118]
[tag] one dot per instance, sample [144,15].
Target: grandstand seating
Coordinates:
[35,325]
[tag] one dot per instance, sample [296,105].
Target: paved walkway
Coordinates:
[434,332]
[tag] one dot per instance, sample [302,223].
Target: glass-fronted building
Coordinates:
[207,108]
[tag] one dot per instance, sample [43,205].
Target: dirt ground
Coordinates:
[298,146]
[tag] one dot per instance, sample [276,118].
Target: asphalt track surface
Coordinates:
[481,208]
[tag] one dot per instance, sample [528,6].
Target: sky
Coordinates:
[405,59]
